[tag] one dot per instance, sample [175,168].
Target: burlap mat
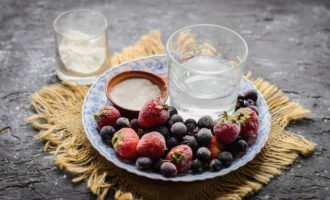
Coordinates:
[58,118]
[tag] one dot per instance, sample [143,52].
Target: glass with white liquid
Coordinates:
[82,51]
[206,65]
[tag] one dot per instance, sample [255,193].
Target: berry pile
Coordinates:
[162,141]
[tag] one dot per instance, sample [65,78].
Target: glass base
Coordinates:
[196,113]
[76,79]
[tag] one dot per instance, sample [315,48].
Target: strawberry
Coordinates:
[248,120]
[226,129]
[153,113]
[214,147]
[181,156]
[125,143]
[107,115]
[152,145]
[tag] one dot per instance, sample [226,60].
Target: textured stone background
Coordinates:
[289,45]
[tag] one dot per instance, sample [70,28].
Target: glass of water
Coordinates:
[206,64]
[82,51]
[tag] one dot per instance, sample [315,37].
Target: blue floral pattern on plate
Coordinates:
[96,99]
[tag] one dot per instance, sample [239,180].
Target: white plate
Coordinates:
[96,99]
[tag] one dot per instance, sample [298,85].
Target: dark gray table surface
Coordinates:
[289,45]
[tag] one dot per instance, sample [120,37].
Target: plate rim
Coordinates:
[150,175]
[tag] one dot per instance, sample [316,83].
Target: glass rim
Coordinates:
[78,10]
[208,25]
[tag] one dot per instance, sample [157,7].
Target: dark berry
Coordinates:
[238,146]
[204,154]
[135,124]
[205,122]
[172,142]
[240,103]
[226,158]
[190,141]
[240,97]
[143,163]
[157,164]
[241,146]
[164,131]
[168,169]
[173,119]
[122,122]
[107,133]
[197,166]
[191,125]
[179,129]
[249,102]
[204,136]
[215,165]
[251,94]
[172,110]
[194,132]
[255,109]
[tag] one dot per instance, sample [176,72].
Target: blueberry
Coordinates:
[204,154]
[240,97]
[251,94]
[204,136]
[249,102]
[143,163]
[215,165]
[234,148]
[241,146]
[164,131]
[194,132]
[122,122]
[157,164]
[168,169]
[179,129]
[226,158]
[240,103]
[255,109]
[173,119]
[197,166]
[107,133]
[191,125]
[135,124]
[190,141]
[205,122]
[172,142]
[172,110]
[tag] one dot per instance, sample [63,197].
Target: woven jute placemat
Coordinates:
[58,119]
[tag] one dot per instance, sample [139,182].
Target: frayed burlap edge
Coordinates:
[58,118]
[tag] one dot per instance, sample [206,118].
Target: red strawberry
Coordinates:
[181,156]
[249,121]
[152,145]
[214,147]
[226,129]
[125,143]
[108,115]
[153,113]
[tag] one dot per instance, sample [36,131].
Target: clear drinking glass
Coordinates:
[82,51]
[206,64]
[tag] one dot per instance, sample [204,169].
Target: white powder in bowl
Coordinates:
[133,93]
